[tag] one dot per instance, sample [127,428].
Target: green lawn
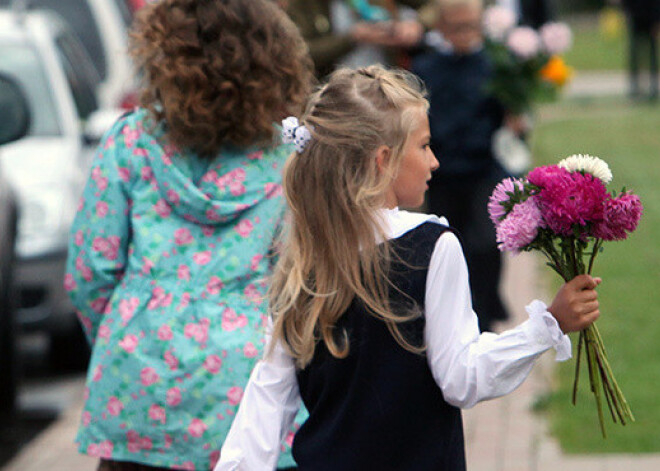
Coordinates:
[593,49]
[627,137]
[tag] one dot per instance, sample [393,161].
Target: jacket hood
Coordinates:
[218,190]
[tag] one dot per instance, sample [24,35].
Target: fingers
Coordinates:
[582,282]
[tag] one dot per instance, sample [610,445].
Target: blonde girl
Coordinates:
[372,324]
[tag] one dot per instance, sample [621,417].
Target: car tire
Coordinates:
[9,357]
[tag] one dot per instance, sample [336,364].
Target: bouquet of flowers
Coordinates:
[565,212]
[527,63]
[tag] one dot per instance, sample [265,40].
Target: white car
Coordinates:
[48,167]
[102,27]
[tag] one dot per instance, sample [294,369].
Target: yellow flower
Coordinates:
[556,71]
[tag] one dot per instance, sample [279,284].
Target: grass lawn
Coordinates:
[594,49]
[627,137]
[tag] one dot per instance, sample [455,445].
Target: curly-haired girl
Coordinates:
[373,324]
[171,243]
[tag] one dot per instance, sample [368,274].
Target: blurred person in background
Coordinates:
[643,17]
[463,119]
[175,231]
[357,33]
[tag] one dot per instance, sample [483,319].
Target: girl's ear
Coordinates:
[383,155]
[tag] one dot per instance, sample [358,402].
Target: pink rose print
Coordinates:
[232,321]
[256,155]
[210,176]
[69,282]
[146,173]
[236,188]
[127,308]
[213,363]
[86,418]
[124,174]
[255,261]
[208,231]
[214,457]
[102,209]
[171,360]
[140,152]
[185,300]
[168,440]
[99,179]
[98,305]
[249,350]
[202,258]
[146,443]
[98,373]
[130,136]
[148,376]
[108,247]
[104,332]
[272,190]
[183,272]
[173,197]
[182,236]
[162,208]
[114,406]
[214,285]
[79,238]
[196,428]
[129,343]
[147,265]
[244,227]
[289,439]
[165,332]
[252,294]
[101,450]
[212,215]
[173,397]
[109,142]
[159,298]
[234,395]
[157,413]
[198,331]
[185,466]
[133,439]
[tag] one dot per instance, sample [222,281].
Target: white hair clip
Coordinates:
[293,131]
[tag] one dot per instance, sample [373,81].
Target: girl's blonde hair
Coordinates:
[336,251]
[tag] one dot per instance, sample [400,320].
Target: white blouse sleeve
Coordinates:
[268,407]
[467,366]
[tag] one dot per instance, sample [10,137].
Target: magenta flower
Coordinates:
[520,227]
[501,195]
[620,216]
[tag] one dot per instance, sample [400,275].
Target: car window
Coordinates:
[82,80]
[79,15]
[22,63]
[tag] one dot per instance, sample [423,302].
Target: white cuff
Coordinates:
[545,330]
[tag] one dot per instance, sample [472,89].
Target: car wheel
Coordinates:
[9,361]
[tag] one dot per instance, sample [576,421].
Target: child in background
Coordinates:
[175,230]
[373,326]
[464,118]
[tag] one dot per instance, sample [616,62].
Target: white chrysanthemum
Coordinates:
[589,164]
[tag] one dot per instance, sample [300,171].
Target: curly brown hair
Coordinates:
[220,71]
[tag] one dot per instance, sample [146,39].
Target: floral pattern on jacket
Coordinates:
[166,267]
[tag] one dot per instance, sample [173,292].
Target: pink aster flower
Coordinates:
[524,42]
[621,215]
[556,37]
[520,227]
[501,195]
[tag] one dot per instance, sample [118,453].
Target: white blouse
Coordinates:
[468,367]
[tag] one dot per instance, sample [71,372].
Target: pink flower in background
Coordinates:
[183,272]
[231,321]
[183,236]
[500,195]
[101,209]
[173,397]
[202,258]
[157,413]
[213,363]
[196,428]
[520,227]
[114,406]
[127,308]
[234,395]
[165,332]
[162,208]
[129,343]
[556,37]
[498,21]
[148,376]
[249,350]
[244,227]
[524,42]
[621,215]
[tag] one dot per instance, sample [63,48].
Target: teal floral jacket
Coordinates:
[167,264]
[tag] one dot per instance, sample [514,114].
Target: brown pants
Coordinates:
[107,465]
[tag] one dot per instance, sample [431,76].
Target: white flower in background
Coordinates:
[556,37]
[524,42]
[498,21]
[588,164]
